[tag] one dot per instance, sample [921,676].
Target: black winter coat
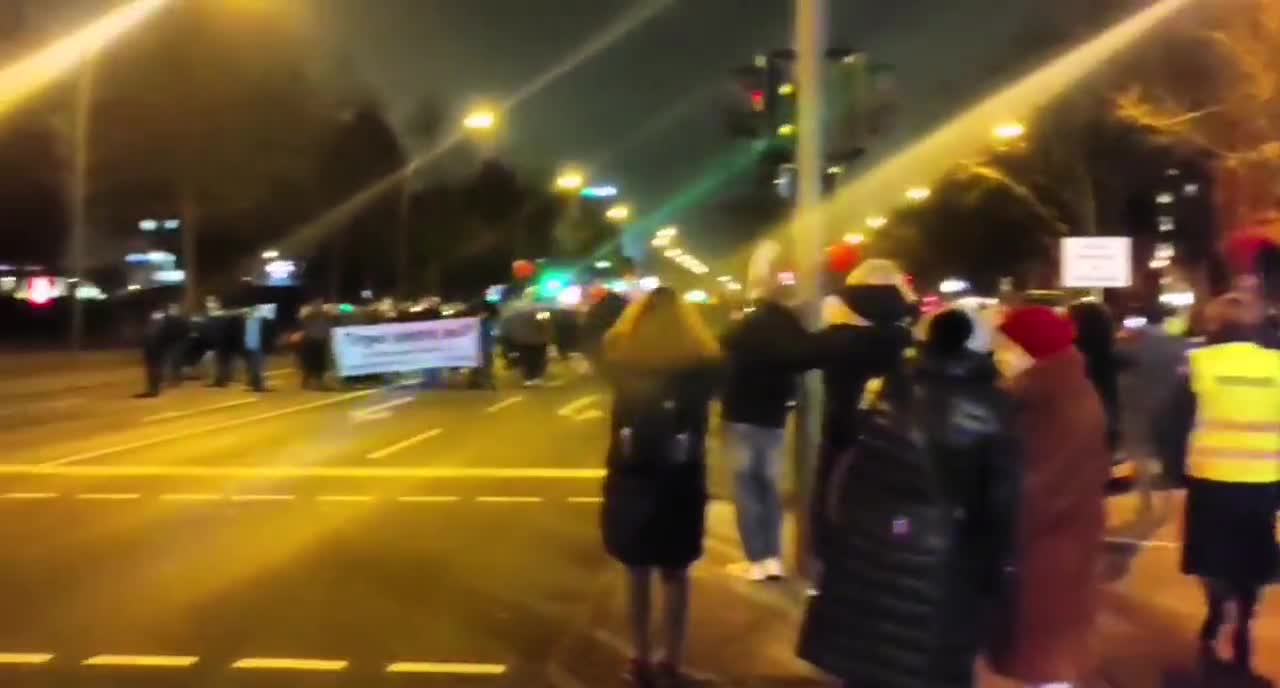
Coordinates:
[921,537]
[654,512]
[765,351]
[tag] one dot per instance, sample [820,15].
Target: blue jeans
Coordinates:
[756,453]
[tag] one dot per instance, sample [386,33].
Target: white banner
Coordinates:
[399,347]
[1097,262]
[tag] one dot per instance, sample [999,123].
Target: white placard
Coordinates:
[1097,262]
[400,347]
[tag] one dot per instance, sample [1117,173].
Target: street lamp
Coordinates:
[877,221]
[570,180]
[668,232]
[270,254]
[618,213]
[918,193]
[1009,131]
[482,119]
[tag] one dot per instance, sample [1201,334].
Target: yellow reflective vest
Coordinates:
[1236,436]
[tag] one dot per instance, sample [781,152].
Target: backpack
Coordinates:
[653,432]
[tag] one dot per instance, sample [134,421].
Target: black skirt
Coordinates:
[1231,532]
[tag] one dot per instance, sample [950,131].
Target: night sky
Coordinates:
[642,113]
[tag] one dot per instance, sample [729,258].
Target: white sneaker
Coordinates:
[748,570]
[773,569]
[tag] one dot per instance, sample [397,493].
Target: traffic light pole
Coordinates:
[81,120]
[810,42]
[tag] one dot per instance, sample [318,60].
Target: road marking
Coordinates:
[1143,543]
[451,668]
[344,498]
[109,496]
[558,382]
[576,406]
[290,664]
[31,495]
[388,451]
[509,500]
[203,409]
[512,401]
[141,660]
[192,497]
[379,411]
[585,500]
[236,422]
[25,657]
[427,499]
[590,414]
[372,472]
[262,498]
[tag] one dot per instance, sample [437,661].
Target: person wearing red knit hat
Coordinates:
[1044,637]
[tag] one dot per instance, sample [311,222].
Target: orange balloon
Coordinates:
[843,257]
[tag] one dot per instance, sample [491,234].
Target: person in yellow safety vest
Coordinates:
[1226,414]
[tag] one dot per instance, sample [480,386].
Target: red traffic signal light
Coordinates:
[757,100]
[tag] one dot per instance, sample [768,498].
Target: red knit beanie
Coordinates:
[1039,330]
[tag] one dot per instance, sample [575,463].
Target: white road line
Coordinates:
[557,382]
[344,498]
[372,472]
[447,668]
[25,657]
[263,498]
[141,660]
[509,500]
[511,401]
[590,414]
[1143,543]
[192,497]
[290,664]
[573,408]
[379,411]
[388,451]
[109,496]
[585,500]
[76,458]
[31,495]
[427,499]
[203,409]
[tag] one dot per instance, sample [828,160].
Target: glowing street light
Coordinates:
[673,253]
[482,119]
[570,180]
[918,193]
[668,232]
[787,130]
[270,254]
[877,221]
[854,238]
[1009,131]
[618,213]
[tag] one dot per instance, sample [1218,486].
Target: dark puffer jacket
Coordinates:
[921,539]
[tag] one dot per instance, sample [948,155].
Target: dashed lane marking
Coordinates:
[577,406]
[427,499]
[30,495]
[1143,543]
[509,500]
[235,422]
[511,401]
[449,668]
[192,497]
[388,451]
[292,664]
[109,496]
[373,472]
[263,498]
[344,498]
[203,409]
[25,657]
[175,661]
[585,500]
[379,411]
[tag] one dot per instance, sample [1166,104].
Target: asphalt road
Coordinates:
[387,536]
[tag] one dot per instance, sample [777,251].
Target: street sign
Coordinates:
[1096,262]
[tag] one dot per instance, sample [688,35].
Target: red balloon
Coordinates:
[523,269]
[843,257]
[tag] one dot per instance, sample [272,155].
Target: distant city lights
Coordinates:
[877,221]
[605,191]
[918,193]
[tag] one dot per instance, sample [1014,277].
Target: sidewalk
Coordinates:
[743,634]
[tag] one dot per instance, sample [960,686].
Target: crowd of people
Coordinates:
[958,500]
